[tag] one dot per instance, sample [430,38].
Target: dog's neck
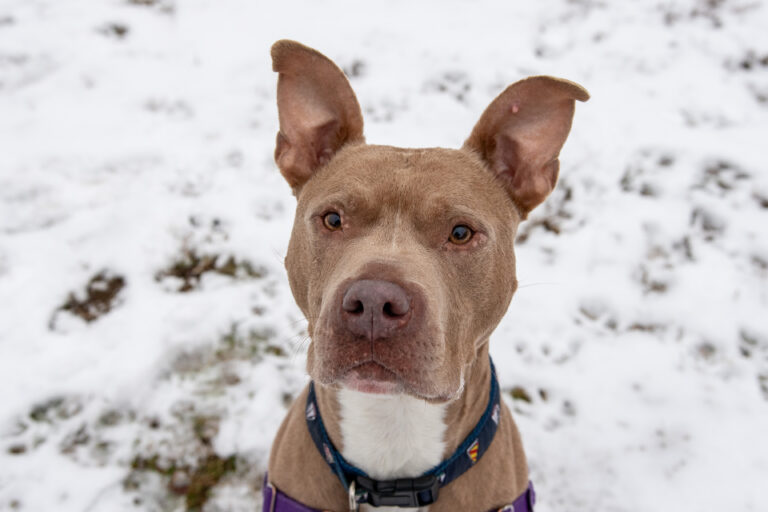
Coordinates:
[400,436]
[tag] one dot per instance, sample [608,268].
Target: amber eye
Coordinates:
[332,221]
[461,234]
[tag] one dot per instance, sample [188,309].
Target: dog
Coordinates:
[402,262]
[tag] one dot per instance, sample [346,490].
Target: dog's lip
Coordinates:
[374,370]
[372,377]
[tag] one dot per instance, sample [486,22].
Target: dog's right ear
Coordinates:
[318,111]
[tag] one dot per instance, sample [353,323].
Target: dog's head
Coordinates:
[402,259]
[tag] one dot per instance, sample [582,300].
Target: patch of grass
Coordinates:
[651,284]
[194,483]
[751,61]
[163,6]
[721,175]
[212,366]
[205,428]
[704,10]
[684,247]
[355,69]
[56,408]
[519,393]
[454,83]
[761,199]
[709,225]
[706,350]
[760,262]
[250,345]
[205,477]
[590,313]
[645,327]
[748,343]
[643,175]
[17,449]
[754,345]
[115,30]
[100,297]
[114,417]
[762,380]
[152,464]
[73,440]
[191,266]
[551,223]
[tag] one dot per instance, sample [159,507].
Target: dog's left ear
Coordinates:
[521,133]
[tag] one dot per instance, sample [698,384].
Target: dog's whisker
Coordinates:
[540,283]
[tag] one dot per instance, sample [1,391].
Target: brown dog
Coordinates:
[402,262]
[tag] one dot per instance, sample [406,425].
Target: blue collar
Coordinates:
[406,492]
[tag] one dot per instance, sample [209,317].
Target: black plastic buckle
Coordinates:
[404,492]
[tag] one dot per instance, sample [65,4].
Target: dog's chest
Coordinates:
[391,436]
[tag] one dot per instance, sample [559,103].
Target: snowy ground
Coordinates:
[136,143]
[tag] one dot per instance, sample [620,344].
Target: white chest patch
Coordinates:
[391,436]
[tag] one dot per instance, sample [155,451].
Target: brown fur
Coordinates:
[398,207]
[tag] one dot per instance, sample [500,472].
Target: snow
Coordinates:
[132,131]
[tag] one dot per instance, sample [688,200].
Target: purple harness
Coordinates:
[403,492]
[276,501]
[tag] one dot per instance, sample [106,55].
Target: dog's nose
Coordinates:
[375,309]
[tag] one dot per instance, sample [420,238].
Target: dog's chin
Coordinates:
[372,378]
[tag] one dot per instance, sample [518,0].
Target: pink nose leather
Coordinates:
[375,309]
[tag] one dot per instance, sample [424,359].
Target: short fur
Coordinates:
[397,209]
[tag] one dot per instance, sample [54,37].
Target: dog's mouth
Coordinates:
[372,377]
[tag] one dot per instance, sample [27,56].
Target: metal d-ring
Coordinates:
[352,497]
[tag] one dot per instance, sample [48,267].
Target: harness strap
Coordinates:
[277,501]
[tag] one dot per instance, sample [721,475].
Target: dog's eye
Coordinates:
[461,234]
[332,221]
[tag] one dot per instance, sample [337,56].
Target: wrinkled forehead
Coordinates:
[424,181]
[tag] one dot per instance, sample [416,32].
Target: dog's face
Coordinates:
[428,232]
[402,259]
